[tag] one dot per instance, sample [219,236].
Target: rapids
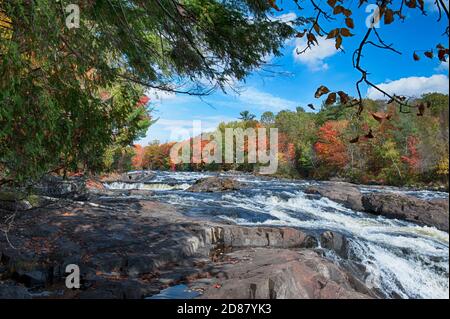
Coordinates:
[398,258]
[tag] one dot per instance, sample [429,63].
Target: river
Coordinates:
[398,258]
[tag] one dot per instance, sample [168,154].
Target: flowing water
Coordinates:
[400,259]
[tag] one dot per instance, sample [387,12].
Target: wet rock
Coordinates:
[238,237]
[424,212]
[263,273]
[11,290]
[343,193]
[336,242]
[130,177]
[215,184]
[33,278]
[113,290]
[13,205]
[55,186]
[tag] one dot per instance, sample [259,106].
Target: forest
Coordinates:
[382,146]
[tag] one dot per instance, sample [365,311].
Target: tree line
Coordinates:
[380,146]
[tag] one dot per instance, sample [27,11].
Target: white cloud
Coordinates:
[286,17]
[158,96]
[314,57]
[443,67]
[179,130]
[265,101]
[413,86]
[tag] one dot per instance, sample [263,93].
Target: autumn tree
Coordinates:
[330,149]
[52,77]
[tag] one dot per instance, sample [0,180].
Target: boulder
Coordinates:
[238,237]
[336,242]
[343,193]
[424,212]
[12,290]
[13,201]
[130,177]
[55,186]
[215,184]
[263,273]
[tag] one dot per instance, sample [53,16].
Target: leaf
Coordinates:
[321,91]
[274,5]
[428,54]
[388,16]
[369,134]
[300,34]
[343,97]
[338,42]
[331,99]
[442,53]
[312,39]
[354,140]
[338,9]
[411,4]
[349,23]
[316,28]
[346,32]
[332,3]
[379,116]
[416,57]
[333,33]
[347,12]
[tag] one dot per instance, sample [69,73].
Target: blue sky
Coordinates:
[298,76]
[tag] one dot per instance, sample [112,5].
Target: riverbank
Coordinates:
[134,249]
[134,236]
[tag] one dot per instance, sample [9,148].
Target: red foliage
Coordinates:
[138,158]
[413,160]
[143,100]
[330,149]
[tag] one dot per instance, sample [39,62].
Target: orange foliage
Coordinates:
[138,158]
[413,160]
[330,149]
